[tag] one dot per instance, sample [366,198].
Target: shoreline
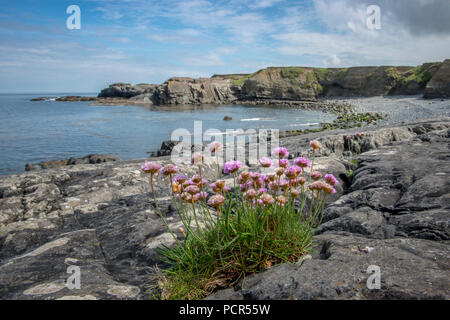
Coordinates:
[346,108]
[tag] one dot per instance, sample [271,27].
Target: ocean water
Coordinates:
[31,132]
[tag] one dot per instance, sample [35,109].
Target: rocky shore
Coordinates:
[391,211]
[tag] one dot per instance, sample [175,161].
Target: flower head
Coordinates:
[216,201]
[192,189]
[292,172]
[180,179]
[302,162]
[196,178]
[316,175]
[329,178]
[265,162]
[283,163]
[215,147]
[280,152]
[197,158]
[315,144]
[281,200]
[169,169]
[151,167]
[267,199]
[250,194]
[232,166]
[294,193]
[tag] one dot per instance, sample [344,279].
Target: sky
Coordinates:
[149,41]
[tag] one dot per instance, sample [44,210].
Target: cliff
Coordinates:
[292,83]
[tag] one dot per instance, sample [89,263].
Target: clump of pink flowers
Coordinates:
[234,215]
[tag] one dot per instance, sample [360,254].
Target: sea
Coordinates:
[35,131]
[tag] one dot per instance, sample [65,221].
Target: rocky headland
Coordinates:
[280,85]
[391,210]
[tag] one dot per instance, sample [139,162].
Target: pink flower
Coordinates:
[232,166]
[169,169]
[280,152]
[328,188]
[192,190]
[215,147]
[267,199]
[302,162]
[331,180]
[262,191]
[216,201]
[265,162]
[254,175]
[151,167]
[292,172]
[316,175]
[197,158]
[250,194]
[283,163]
[180,178]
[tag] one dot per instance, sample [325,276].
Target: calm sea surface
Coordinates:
[40,131]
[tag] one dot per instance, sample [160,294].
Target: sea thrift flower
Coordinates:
[196,179]
[262,191]
[220,184]
[329,178]
[216,201]
[231,166]
[215,147]
[245,175]
[214,188]
[192,189]
[245,186]
[327,188]
[280,152]
[302,162]
[197,158]
[169,169]
[292,172]
[180,179]
[265,162]
[151,167]
[279,171]
[301,181]
[315,144]
[254,175]
[283,163]
[271,177]
[281,200]
[250,194]
[267,199]
[294,193]
[317,185]
[316,175]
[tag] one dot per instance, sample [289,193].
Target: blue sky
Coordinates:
[149,41]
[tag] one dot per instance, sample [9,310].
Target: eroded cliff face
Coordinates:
[292,83]
[439,85]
